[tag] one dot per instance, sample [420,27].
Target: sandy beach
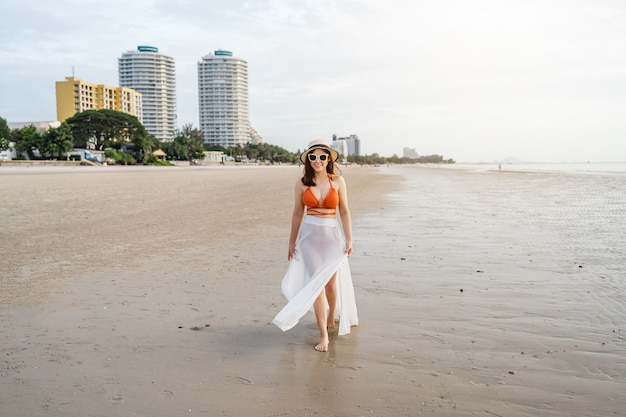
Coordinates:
[145,291]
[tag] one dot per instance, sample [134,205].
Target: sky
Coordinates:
[471,80]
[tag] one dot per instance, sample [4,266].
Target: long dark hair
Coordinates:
[309,172]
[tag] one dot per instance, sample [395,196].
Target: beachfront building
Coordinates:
[8,154]
[350,145]
[254,136]
[354,145]
[213,158]
[410,153]
[223,100]
[341,146]
[154,76]
[40,126]
[75,95]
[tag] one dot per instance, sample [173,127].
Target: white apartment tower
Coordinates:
[347,146]
[154,76]
[223,100]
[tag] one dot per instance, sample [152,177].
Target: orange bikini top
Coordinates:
[313,205]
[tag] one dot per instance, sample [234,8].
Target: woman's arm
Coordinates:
[296,218]
[344,211]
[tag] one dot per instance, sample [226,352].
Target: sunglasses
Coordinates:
[314,157]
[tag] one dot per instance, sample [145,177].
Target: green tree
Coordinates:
[5,132]
[215,148]
[188,131]
[57,141]
[5,144]
[5,135]
[267,152]
[104,128]
[27,139]
[121,158]
[143,146]
[376,159]
[185,148]
[187,144]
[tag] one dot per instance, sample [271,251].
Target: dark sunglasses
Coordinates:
[314,157]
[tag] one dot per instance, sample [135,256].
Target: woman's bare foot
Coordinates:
[330,323]
[322,346]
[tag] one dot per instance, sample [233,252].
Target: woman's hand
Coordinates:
[348,247]
[292,250]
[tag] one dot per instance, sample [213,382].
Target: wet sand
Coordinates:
[150,292]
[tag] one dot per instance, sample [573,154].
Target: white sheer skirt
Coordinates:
[320,252]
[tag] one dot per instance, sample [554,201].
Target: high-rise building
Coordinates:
[410,153]
[341,146]
[154,76]
[223,100]
[347,146]
[75,95]
[354,145]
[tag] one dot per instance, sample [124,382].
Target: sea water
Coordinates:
[509,282]
[572,167]
[556,224]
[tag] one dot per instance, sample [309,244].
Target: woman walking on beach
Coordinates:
[318,275]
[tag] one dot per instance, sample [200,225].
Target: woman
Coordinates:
[318,275]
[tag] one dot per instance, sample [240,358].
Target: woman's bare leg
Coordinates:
[320,314]
[331,296]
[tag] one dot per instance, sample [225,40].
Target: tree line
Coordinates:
[376,159]
[123,138]
[91,129]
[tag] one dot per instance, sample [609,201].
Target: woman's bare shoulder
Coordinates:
[300,184]
[337,178]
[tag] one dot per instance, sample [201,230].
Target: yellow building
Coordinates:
[75,95]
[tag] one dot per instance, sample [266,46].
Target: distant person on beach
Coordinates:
[318,275]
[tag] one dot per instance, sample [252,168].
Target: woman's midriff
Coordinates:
[320,212]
